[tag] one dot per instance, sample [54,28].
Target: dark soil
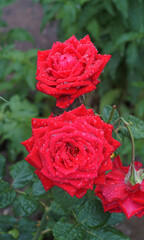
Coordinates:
[25,14]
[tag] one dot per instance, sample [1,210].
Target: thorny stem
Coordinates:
[132,141]
[112,113]
[42,222]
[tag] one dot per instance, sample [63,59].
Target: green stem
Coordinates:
[3,99]
[118,119]
[119,128]
[20,192]
[42,222]
[46,231]
[111,114]
[132,141]
[75,216]
[116,131]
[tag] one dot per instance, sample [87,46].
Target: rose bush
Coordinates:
[120,195]
[69,70]
[71,150]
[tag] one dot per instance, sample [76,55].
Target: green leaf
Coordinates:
[122,7]
[83,1]
[18,211]
[2,166]
[31,53]
[12,54]
[26,205]
[65,200]
[126,37]
[16,121]
[136,16]
[139,108]
[14,232]
[67,231]
[115,218]
[88,12]
[91,214]
[26,236]
[136,126]
[109,7]
[106,114]
[20,131]
[7,195]
[131,55]
[22,174]
[22,109]
[114,64]
[26,225]
[109,98]
[30,77]
[93,28]
[56,211]
[70,12]
[19,34]
[50,14]
[61,228]
[3,66]
[6,236]
[106,233]
[6,222]
[38,189]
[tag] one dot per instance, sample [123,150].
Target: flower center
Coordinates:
[74,151]
[67,61]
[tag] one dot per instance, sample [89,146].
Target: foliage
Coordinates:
[15,120]
[18,100]
[68,218]
[116,27]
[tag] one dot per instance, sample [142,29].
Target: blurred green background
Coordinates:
[116,27]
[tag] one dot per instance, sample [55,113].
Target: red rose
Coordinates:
[68,150]
[69,69]
[118,195]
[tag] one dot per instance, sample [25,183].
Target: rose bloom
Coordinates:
[69,70]
[69,150]
[118,194]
